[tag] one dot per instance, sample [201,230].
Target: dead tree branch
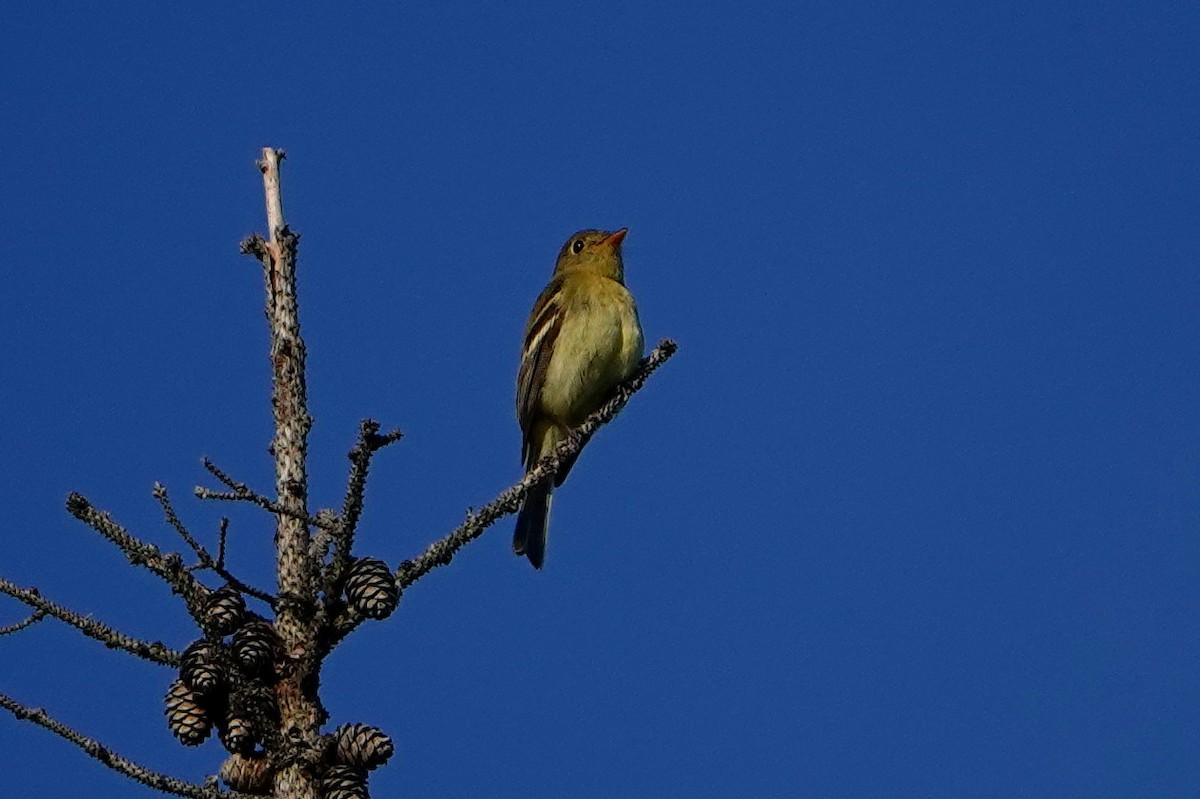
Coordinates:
[207,561]
[122,765]
[154,651]
[369,442]
[240,492]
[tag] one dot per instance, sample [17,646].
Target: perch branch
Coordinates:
[202,554]
[442,552]
[97,750]
[369,442]
[154,651]
[169,566]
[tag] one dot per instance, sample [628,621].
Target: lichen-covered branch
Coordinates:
[154,651]
[169,567]
[442,552]
[99,751]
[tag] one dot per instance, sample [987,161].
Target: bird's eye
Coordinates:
[577,246]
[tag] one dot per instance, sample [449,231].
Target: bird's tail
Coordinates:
[529,537]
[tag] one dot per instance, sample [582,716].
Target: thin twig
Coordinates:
[240,492]
[222,535]
[160,493]
[169,566]
[97,750]
[29,621]
[206,560]
[369,442]
[154,651]
[508,502]
[219,473]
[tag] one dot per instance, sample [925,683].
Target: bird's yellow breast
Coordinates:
[599,345]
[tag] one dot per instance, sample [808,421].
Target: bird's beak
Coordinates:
[614,239]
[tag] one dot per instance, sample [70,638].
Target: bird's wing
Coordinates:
[545,323]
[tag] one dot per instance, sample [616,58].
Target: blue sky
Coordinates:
[912,513]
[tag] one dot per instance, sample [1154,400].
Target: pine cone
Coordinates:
[186,718]
[362,746]
[344,782]
[224,610]
[237,735]
[202,668]
[247,773]
[371,588]
[254,646]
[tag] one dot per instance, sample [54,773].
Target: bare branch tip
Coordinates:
[263,163]
[77,504]
[390,437]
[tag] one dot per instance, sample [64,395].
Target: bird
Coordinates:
[583,337]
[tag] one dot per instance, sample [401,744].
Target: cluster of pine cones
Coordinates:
[226,680]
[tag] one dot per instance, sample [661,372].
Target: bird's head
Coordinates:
[594,250]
